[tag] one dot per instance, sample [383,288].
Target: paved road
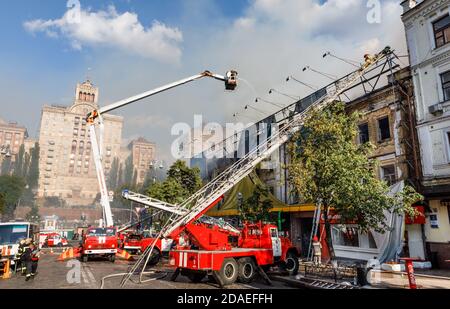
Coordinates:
[76,275]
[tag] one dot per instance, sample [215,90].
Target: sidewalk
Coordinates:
[424,279]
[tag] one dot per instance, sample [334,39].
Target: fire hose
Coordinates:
[163,275]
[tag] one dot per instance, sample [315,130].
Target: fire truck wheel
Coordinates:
[246,270]
[291,264]
[112,258]
[155,258]
[229,271]
[84,258]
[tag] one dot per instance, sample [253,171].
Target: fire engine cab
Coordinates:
[99,242]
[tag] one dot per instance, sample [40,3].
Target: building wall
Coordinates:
[12,135]
[428,62]
[144,153]
[66,165]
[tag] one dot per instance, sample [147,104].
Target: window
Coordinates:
[384,131]
[441,29]
[345,235]
[74,147]
[388,174]
[363,133]
[445,82]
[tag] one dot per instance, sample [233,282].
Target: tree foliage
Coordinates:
[11,188]
[19,165]
[181,183]
[257,207]
[5,168]
[113,177]
[33,172]
[328,168]
[33,215]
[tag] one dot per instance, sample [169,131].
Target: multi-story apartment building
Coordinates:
[66,165]
[427,25]
[143,155]
[12,136]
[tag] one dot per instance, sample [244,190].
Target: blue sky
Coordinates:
[265,40]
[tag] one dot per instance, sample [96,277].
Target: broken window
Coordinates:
[441,29]
[384,131]
[363,133]
[388,174]
[445,82]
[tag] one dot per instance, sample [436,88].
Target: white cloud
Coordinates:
[270,40]
[111,29]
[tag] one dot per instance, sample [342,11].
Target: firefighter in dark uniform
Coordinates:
[20,266]
[31,258]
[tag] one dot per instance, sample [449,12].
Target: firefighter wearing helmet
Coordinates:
[20,265]
[31,259]
[317,249]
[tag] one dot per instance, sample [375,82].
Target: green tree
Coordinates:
[5,169]
[181,183]
[2,202]
[128,170]
[329,169]
[114,174]
[19,164]
[189,178]
[170,191]
[33,172]
[33,215]
[11,188]
[257,207]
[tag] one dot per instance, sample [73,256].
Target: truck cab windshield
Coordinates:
[102,232]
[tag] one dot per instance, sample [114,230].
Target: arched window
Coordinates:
[80,95]
[93,98]
[84,96]
[74,146]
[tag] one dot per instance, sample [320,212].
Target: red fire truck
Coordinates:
[209,251]
[55,240]
[132,243]
[99,242]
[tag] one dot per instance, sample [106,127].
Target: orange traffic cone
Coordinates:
[123,254]
[69,254]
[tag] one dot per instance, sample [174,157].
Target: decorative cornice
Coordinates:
[422,10]
[435,60]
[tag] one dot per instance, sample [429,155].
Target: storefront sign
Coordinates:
[434,221]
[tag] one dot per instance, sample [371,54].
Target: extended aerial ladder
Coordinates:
[198,204]
[206,198]
[230,84]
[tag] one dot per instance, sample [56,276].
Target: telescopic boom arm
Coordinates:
[230,80]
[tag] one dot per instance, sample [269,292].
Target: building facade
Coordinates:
[12,136]
[66,165]
[143,155]
[427,25]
